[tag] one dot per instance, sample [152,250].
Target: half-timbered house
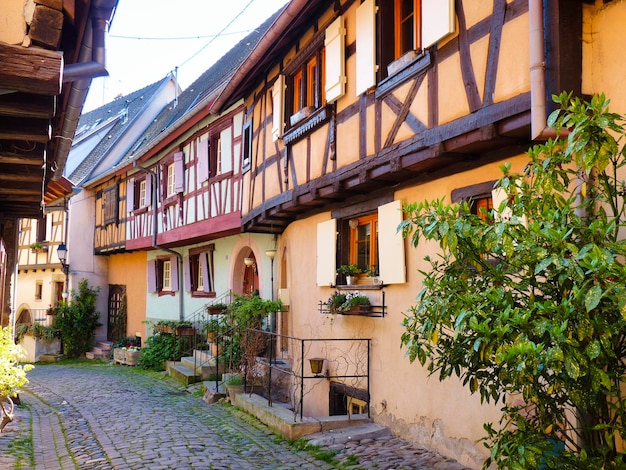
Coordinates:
[168,216]
[353,107]
[105,136]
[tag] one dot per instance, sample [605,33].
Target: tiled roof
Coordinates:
[134,104]
[202,88]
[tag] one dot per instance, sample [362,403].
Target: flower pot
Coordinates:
[119,356]
[350,280]
[211,336]
[358,310]
[185,331]
[233,391]
[132,357]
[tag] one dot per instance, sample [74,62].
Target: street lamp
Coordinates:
[65,267]
[62,254]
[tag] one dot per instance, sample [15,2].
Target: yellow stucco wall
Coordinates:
[439,415]
[129,270]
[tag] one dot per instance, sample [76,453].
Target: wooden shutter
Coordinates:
[202,163]
[365,46]
[187,273]
[148,189]
[391,262]
[327,253]
[438,21]
[130,196]
[226,142]
[174,273]
[152,279]
[278,111]
[335,44]
[179,172]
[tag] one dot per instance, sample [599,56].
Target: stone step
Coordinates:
[204,369]
[183,374]
[213,394]
[104,345]
[94,354]
[50,357]
[351,433]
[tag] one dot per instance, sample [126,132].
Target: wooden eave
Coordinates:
[467,143]
[33,103]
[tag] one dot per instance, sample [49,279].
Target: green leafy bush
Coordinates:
[528,302]
[158,349]
[77,320]
[12,374]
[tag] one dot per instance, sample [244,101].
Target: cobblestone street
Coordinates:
[103,416]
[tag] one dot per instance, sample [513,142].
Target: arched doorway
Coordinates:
[250,274]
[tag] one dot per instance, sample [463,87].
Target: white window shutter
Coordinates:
[152,276]
[179,172]
[226,142]
[335,44]
[149,189]
[391,261]
[365,46]
[327,253]
[187,273]
[49,220]
[438,20]
[202,160]
[130,196]
[278,111]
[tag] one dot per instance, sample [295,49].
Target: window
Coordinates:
[387,30]
[38,290]
[314,77]
[139,192]
[305,79]
[166,270]
[199,271]
[163,275]
[406,21]
[247,145]
[221,149]
[110,203]
[481,206]
[365,235]
[171,187]
[364,242]
[142,193]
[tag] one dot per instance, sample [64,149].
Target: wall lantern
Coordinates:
[248,261]
[62,254]
[317,364]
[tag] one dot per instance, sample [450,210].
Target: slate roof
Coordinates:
[135,103]
[200,90]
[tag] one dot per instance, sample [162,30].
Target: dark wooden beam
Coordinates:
[27,105]
[28,130]
[30,69]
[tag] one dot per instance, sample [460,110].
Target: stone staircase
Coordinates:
[191,369]
[102,350]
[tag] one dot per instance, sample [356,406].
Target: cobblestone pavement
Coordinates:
[114,417]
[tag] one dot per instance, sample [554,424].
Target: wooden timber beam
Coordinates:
[30,130]
[25,105]
[30,69]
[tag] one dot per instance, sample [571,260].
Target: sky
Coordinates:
[150,38]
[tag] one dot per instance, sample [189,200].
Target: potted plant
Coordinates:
[234,386]
[38,247]
[52,310]
[335,302]
[212,328]
[373,273]
[349,270]
[348,303]
[216,308]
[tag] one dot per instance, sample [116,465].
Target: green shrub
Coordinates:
[158,349]
[77,320]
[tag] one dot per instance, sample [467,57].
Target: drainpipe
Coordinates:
[96,67]
[179,257]
[538,98]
